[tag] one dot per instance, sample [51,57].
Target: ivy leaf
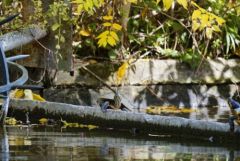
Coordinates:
[117,26]
[167,4]
[184,3]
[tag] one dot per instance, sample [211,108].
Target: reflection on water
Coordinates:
[48,143]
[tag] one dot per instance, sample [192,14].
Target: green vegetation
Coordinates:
[182,29]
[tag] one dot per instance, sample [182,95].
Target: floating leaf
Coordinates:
[43,121]
[168,109]
[10,121]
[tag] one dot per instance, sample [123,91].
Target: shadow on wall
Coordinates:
[160,83]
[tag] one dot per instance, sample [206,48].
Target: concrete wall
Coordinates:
[155,82]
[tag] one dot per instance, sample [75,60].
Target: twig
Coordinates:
[98,78]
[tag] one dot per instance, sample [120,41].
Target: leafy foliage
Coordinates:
[156,28]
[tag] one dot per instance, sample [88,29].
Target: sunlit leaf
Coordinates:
[209,32]
[184,3]
[114,35]
[111,41]
[117,26]
[204,21]
[103,34]
[107,24]
[43,121]
[167,4]
[84,33]
[55,26]
[107,18]
[216,28]
[121,71]
[168,109]
[196,14]
[130,1]
[37,97]
[10,121]
[195,25]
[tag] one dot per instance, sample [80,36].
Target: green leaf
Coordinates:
[55,26]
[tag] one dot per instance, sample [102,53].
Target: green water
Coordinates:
[49,143]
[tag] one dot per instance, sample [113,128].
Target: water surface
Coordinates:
[50,143]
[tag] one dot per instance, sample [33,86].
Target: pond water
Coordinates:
[51,143]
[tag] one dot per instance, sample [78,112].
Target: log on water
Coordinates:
[16,39]
[145,123]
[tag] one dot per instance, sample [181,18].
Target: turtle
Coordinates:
[115,103]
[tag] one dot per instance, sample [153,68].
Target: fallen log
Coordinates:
[16,39]
[149,124]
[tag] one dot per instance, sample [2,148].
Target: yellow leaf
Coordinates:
[102,42]
[84,33]
[216,28]
[220,20]
[10,121]
[204,21]
[103,34]
[196,14]
[167,4]
[184,3]
[43,121]
[37,97]
[107,24]
[121,71]
[18,93]
[117,26]
[90,127]
[79,9]
[132,1]
[107,18]
[111,41]
[114,35]
[195,25]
